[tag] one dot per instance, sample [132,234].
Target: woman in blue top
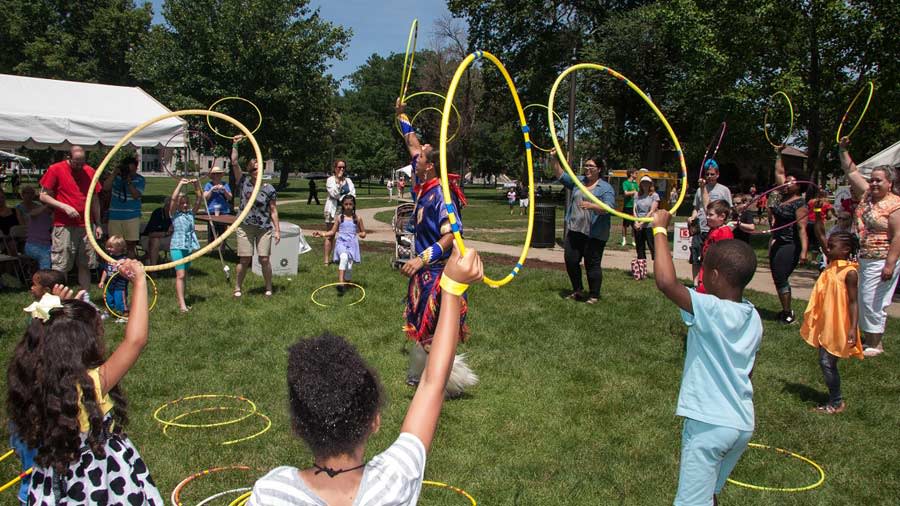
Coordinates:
[588,228]
[217,194]
[184,238]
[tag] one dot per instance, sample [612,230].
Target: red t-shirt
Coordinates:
[818,212]
[720,234]
[69,188]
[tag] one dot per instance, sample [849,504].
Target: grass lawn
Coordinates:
[576,403]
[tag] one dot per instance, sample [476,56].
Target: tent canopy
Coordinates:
[889,156]
[46,113]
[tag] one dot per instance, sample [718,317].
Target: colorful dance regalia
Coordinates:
[423,303]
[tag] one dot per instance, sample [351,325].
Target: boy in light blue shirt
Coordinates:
[724,334]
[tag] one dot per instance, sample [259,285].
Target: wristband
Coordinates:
[405,126]
[432,253]
[453,287]
[660,230]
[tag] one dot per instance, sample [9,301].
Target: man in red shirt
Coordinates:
[64,188]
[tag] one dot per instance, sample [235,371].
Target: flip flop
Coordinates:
[238,294]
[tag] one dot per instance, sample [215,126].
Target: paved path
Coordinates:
[802,281]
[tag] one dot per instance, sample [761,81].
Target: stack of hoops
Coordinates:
[244,407]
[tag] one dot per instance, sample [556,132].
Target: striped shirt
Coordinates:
[393,477]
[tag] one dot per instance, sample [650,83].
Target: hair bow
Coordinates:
[41,309]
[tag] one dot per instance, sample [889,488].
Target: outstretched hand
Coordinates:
[133,270]
[466,268]
[399,106]
[844,143]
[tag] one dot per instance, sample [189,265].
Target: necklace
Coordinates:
[334,472]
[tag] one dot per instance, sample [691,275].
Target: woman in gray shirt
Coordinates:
[646,202]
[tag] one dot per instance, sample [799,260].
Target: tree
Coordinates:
[271,52]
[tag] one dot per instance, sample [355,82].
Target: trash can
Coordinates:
[284,254]
[544,234]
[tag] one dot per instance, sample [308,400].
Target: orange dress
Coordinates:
[826,321]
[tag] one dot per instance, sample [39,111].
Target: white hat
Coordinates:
[646,178]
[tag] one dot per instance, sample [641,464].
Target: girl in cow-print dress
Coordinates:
[65,401]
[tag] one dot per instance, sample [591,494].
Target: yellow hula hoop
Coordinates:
[176,492]
[312,296]
[659,114]
[7,454]
[117,315]
[871,87]
[766,118]
[217,102]
[408,58]
[224,408]
[438,95]
[241,500]
[458,490]
[452,212]
[173,422]
[817,467]
[215,243]
[558,117]
[15,480]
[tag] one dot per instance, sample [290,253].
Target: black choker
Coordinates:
[334,472]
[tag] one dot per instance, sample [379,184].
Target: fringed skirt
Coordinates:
[423,306]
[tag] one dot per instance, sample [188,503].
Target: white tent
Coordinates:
[889,156]
[46,113]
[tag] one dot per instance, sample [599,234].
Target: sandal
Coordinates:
[828,409]
[575,296]
[268,293]
[237,293]
[592,300]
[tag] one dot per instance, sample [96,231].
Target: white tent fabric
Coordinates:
[46,113]
[889,156]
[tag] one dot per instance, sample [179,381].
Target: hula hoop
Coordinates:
[122,316]
[756,198]
[7,454]
[176,493]
[534,144]
[408,58]
[438,95]
[871,87]
[222,494]
[173,422]
[224,408]
[453,214]
[817,467]
[217,241]
[659,114]
[312,296]
[15,480]
[458,490]
[766,118]
[241,499]
[722,129]
[217,102]
[165,147]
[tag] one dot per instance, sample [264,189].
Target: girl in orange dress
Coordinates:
[830,322]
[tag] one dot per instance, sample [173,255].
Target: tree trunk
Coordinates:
[285,172]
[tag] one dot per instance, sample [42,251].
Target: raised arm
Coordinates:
[176,194]
[425,408]
[406,129]
[136,330]
[235,166]
[664,268]
[857,182]
[198,196]
[780,174]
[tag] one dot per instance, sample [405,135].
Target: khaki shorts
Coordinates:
[249,236]
[130,230]
[71,247]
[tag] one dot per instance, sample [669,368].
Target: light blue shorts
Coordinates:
[708,455]
[178,254]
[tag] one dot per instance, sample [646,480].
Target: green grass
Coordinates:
[576,403]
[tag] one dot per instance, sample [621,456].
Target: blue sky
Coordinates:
[379,26]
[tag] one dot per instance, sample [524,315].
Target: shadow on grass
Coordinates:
[804,393]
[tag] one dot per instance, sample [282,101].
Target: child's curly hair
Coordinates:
[49,365]
[334,395]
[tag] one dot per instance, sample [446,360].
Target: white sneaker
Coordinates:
[623,240]
[872,352]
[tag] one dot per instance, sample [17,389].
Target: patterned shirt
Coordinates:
[872,224]
[259,215]
[183,234]
[393,477]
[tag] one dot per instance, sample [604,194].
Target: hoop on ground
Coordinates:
[452,212]
[713,145]
[176,493]
[16,480]
[122,316]
[556,115]
[770,190]
[124,140]
[217,102]
[265,429]
[174,423]
[438,95]
[766,118]
[223,494]
[312,296]
[871,87]
[804,488]
[408,58]
[659,114]
[458,490]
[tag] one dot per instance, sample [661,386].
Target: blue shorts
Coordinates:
[178,254]
[708,455]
